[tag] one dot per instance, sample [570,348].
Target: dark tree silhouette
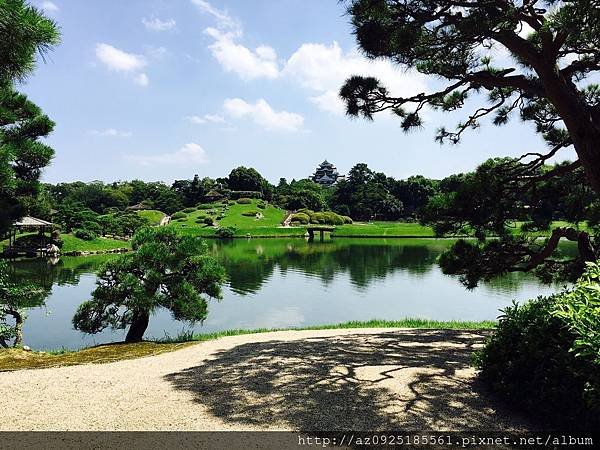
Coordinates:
[543,80]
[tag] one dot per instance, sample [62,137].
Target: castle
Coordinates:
[327,174]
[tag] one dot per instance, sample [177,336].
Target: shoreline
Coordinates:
[16,359]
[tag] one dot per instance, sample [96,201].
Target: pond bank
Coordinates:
[15,359]
[359,379]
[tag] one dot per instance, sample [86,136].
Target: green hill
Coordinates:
[247,219]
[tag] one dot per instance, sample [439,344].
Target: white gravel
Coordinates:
[362,379]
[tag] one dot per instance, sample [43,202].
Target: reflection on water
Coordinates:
[288,283]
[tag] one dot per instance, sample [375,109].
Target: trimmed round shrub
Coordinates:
[179,215]
[250,213]
[204,206]
[301,218]
[85,234]
[189,210]
[225,233]
[209,221]
[261,205]
[244,201]
[347,220]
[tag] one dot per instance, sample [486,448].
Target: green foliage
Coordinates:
[189,210]
[225,232]
[209,221]
[153,217]
[302,218]
[580,308]
[244,201]
[164,271]
[543,355]
[250,213]
[24,33]
[85,234]
[15,299]
[179,215]
[205,206]
[249,180]
[261,205]
[366,195]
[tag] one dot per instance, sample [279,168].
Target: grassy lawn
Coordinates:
[154,217]
[267,226]
[74,244]
[14,359]
[384,229]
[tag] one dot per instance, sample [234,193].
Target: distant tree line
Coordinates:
[473,202]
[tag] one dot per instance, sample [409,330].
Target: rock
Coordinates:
[26,348]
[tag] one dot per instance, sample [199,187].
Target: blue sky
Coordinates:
[165,89]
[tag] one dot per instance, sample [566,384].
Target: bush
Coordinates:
[86,235]
[530,361]
[209,221]
[261,205]
[250,213]
[179,215]
[302,218]
[204,206]
[347,220]
[244,201]
[326,218]
[580,308]
[189,210]
[225,233]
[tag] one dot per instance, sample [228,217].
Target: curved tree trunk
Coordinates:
[138,327]
[18,329]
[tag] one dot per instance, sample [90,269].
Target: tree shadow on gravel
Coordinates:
[400,380]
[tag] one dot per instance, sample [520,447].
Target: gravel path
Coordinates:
[367,379]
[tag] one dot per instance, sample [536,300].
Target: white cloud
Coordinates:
[206,118]
[263,115]
[188,154]
[49,7]
[118,60]
[324,69]
[234,57]
[159,25]
[224,20]
[111,132]
[121,61]
[141,80]
[246,63]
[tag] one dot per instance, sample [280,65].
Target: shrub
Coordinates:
[327,218]
[261,205]
[204,206]
[302,218]
[250,213]
[85,234]
[580,308]
[530,359]
[209,221]
[244,201]
[225,233]
[231,203]
[179,215]
[347,220]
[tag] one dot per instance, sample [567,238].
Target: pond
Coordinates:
[280,283]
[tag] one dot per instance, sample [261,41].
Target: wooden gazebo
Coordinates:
[29,224]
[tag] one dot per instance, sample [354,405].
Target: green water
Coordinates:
[288,283]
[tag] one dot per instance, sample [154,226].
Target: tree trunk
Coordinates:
[18,329]
[138,327]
